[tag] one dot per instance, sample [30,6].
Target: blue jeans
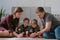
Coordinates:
[55,34]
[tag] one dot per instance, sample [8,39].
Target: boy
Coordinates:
[34,29]
[24,28]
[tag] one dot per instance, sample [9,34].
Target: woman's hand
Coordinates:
[20,35]
[15,34]
[10,34]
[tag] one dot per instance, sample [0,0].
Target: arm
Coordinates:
[15,34]
[47,24]
[9,20]
[47,27]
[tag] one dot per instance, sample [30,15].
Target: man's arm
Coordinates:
[47,27]
[48,22]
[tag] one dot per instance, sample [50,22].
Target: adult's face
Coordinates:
[40,14]
[18,14]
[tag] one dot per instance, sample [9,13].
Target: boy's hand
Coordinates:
[33,35]
[26,33]
[19,29]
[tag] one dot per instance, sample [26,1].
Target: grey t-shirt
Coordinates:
[50,18]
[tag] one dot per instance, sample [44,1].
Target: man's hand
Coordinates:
[47,28]
[40,34]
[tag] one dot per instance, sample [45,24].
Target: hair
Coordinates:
[36,22]
[26,19]
[41,9]
[18,9]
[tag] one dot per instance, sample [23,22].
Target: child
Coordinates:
[34,28]
[24,28]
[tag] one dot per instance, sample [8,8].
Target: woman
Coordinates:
[9,24]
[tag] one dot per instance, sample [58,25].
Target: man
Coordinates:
[51,26]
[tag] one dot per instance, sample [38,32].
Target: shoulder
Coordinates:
[38,26]
[9,16]
[48,14]
[30,27]
[21,25]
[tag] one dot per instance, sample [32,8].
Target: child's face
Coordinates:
[34,24]
[26,23]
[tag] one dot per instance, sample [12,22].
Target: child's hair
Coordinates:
[26,19]
[36,22]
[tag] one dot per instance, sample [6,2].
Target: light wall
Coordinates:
[54,4]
